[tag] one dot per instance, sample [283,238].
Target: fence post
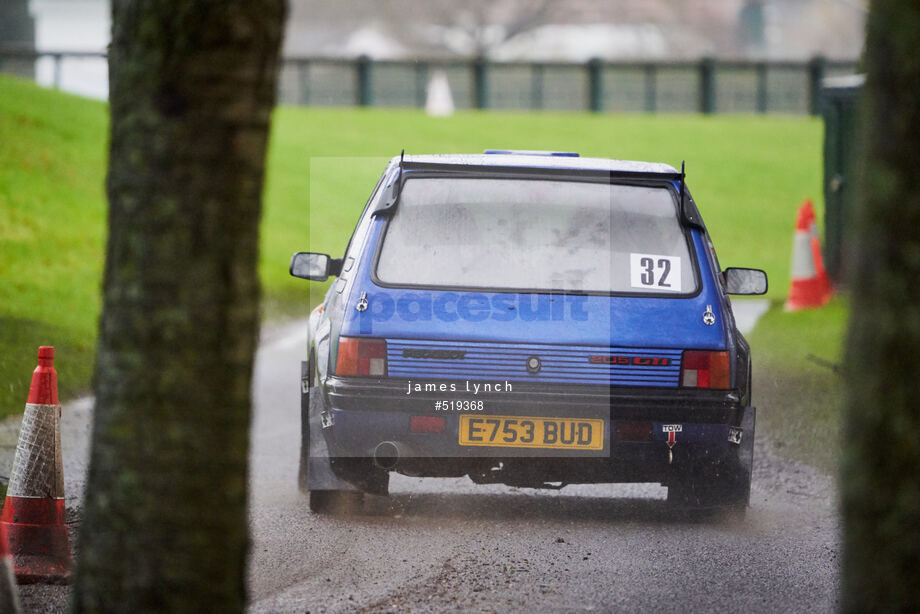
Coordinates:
[421,83]
[707,85]
[651,88]
[303,83]
[536,86]
[816,68]
[761,87]
[58,60]
[595,85]
[363,96]
[480,83]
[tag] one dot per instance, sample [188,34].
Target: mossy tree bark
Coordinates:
[881,487]
[192,86]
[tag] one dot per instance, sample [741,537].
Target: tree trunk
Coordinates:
[881,488]
[192,85]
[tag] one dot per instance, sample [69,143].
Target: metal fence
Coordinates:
[706,86]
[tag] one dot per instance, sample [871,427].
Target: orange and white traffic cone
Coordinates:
[33,515]
[810,286]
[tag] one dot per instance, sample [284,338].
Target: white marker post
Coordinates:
[440,102]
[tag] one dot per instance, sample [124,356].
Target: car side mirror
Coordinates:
[316,267]
[744,281]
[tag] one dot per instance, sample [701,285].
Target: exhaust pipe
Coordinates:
[388,454]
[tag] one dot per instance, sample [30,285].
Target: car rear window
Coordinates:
[526,234]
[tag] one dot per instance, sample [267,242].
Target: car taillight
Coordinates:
[359,356]
[705,370]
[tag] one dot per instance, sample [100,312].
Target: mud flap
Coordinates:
[320,475]
[746,451]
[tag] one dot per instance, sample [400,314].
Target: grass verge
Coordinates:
[52,223]
[798,390]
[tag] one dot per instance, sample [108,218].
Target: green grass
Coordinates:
[748,175]
[52,212]
[797,391]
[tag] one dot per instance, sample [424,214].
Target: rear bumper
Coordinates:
[362,413]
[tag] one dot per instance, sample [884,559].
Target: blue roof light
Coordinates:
[525,152]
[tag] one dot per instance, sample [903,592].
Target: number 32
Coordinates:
[648,273]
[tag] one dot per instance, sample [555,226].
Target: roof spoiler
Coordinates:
[390,199]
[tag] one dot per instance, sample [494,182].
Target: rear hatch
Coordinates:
[533,280]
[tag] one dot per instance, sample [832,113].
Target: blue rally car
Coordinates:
[533,319]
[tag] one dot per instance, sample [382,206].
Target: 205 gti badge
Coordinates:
[640,361]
